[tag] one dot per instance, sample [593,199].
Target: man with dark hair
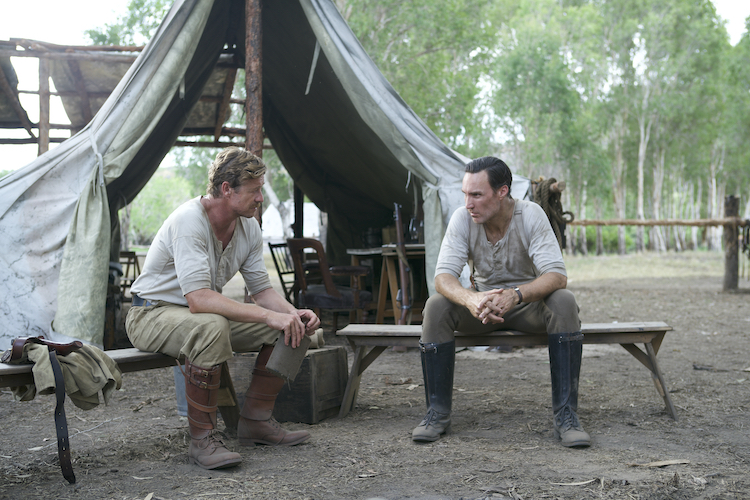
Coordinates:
[519,284]
[178,308]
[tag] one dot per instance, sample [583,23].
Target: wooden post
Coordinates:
[299,213]
[253,83]
[43,105]
[731,235]
[253,77]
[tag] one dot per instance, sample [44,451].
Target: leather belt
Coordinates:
[140,302]
[61,424]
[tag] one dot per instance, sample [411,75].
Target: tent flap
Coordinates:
[341,130]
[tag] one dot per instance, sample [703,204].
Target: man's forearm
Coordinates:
[542,286]
[209,301]
[449,287]
[270,299]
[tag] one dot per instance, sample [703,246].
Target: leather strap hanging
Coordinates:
[61,423]
[14,355]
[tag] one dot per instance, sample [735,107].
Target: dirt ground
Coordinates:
[501,444]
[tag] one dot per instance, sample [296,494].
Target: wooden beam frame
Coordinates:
[15,103]
[44,106]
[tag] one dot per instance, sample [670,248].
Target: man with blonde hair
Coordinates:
[178,308]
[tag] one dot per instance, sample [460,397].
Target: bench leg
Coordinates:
[648,359]
[658,379]
[361,361]
[228,405]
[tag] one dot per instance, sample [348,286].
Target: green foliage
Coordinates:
[609,239]
[134,28]
[148,211]
[434,54]
[3,173]
[192,166]
[278,177]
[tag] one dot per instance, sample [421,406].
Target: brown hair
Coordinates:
[235,166]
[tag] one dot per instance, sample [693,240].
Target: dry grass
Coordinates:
[645,265]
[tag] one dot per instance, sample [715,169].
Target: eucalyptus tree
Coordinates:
[738,117]
[434,53]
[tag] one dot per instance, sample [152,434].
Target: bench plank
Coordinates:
[129,360]
[378,337]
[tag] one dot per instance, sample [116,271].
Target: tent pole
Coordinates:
[253,84]
[253,77]
[299,199]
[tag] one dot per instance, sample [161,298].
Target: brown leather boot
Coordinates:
[202,391]
[256,426]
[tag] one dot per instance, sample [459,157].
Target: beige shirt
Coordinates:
[186,256]
[528,249]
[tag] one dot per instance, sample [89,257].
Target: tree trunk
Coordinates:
[618,180]
[582,215]
[657,233]
[697,213]
[599,239]
[644,127]
[282,207]
[715,166]
[125,228]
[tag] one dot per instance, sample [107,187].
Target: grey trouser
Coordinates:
[205,339]
[557,313]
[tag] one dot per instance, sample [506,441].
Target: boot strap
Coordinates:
[428,347]
[200,407]
[569,337]
[203,425]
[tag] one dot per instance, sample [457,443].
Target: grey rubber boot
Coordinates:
[565,350]
[438,361]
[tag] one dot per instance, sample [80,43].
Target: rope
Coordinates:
[552,206]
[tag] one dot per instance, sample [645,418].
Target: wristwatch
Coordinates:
[520,295]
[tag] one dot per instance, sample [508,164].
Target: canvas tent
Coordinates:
[345,136]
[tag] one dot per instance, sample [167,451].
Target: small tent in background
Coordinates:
[345,136]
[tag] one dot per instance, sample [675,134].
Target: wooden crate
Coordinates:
[315,394]
[318,390]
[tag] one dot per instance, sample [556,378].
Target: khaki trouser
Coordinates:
[557,313]
[203,338]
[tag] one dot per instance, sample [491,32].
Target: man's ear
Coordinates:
[226,188]
[503,191]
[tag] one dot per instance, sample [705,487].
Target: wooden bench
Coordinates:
[377,338]
[133,360]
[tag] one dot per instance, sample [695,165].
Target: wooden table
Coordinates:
[389,281]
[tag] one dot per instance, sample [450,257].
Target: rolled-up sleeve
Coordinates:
[454,250]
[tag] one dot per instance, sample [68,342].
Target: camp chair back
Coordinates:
[285,268]
[327,295]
